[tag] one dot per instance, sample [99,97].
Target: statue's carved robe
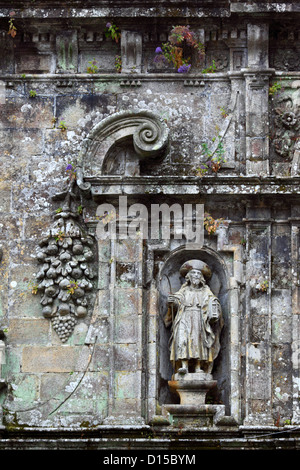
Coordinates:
[196,330]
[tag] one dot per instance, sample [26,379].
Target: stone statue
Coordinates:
[196,318]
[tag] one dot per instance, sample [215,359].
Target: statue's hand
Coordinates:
[214,317]
[171,298]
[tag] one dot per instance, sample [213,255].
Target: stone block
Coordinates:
[101,359]
[53,385]
[127,357]
[128,250]
[36,226]
[127,385]
[12,366]
[258,383]
[126,274]
[20,142]
[258,44]
[126,411]
[28,331]
[26,389]
[104,250]
[126,329]
[79,334]
[37,359]
[128,300]
[34,62]
[84,399]
[281,328]
[259,328]
[24,113]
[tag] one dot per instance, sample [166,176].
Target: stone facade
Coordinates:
[88,115]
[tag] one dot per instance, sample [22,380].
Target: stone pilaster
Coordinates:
[258,386]
[257,86]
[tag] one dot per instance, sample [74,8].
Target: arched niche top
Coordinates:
[148,131]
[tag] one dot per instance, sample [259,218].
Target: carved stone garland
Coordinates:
[65,277]
[287,126]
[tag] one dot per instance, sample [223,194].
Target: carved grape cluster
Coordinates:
[65,277]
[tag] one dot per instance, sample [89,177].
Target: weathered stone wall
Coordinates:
[240,99]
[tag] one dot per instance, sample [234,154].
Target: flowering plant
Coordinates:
[71,171]
[210,224]
[264,285]
[113,32]
[72,287]
[172,51]
[92,68]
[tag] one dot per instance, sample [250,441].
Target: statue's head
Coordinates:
[195,277]
[197,269]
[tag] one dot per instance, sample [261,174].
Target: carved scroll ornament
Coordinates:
[149,133]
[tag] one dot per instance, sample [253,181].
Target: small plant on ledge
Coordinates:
[210,224]
[33,286]
[263,286]
[62,126]
[59,236]
[92,68]
[12,30]
[273,89]
[172,52]
[211,68]
[214,159]
[112,31]
[118,63]
[72,287]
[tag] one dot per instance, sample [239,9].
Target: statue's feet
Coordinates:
[182,370]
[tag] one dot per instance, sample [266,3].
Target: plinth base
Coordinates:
[194,416]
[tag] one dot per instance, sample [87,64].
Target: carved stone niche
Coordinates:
[192,408]
[127,137]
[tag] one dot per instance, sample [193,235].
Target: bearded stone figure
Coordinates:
[196,318]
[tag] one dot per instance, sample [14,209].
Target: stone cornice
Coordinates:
[148,8]
[189,185]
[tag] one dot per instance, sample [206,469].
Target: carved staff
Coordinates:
[172,308]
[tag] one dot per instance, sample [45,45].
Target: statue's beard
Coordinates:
[188,282]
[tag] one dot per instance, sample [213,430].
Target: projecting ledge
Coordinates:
[223,185]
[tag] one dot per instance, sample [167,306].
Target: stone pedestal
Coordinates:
[192,410]
[192,388]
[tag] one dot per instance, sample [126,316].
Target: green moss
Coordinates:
[12,424]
